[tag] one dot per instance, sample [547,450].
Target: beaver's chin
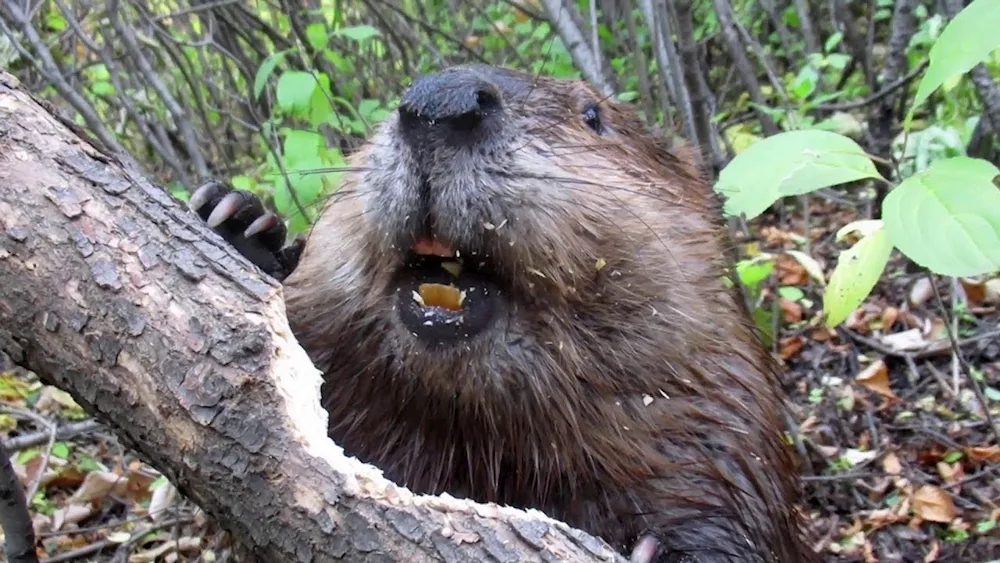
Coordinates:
[443,297]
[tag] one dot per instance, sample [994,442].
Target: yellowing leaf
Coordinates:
[858,270]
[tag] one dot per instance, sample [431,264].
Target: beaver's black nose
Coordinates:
[458,105]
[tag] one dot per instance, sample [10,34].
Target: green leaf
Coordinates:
[157,483]
[242,182]
[264,72]
[752,272]
[947,218]
[55,22]
[858,269]
[27,455]
[965,42]
[316,36]
[791,293]
[102,88]
[986,526]
[300,145]
[833,41]
[295,88]
[791,163]
[358,33]
[805,83]
[367,107]
[60,450]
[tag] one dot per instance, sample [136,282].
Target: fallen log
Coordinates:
[111,290]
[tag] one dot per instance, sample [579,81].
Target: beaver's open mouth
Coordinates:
[443,296]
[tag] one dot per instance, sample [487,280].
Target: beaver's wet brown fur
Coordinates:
[604,373]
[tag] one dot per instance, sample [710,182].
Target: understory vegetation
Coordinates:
[855,145]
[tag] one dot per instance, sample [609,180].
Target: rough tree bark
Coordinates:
[111,290]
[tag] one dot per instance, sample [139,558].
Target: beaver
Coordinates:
[517,295]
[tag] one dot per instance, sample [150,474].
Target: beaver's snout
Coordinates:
[457,106]
[451,124]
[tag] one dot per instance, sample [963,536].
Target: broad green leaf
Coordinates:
[833,41]
[307,180]
[264,72]
[965,42]
[805,82]
[858,269]
[791,293]
[752,272]
[358,33]
[27,455]
[103,88]
[242,182]
[791,163]
[367,107]
[947,218]
[99,72]
[55,21]
[300,146]
[60,450]
[295,88]
[320,106]
[316,35]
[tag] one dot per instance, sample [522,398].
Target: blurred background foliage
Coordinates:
[271,95]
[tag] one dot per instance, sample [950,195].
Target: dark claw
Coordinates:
[225,209]
[240,218]
[204,194]
[261,224]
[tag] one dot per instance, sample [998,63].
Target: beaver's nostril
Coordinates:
[455,106]
[487,100]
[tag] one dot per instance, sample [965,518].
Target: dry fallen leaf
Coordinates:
[906,341]
[98,484]
[791,271]
[163,498]
[889,317]
[791,311]
[891,464]
[992,293]
[876,378]
[791,347]
[984,454]
[933,504]
[71,514]
[974,289]
[921,291]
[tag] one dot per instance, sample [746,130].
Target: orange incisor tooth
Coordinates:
[440,295]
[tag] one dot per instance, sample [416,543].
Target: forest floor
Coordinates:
[899,459]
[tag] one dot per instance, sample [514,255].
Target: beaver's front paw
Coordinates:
[240,218]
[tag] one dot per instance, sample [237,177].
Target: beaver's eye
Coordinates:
[592,117]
